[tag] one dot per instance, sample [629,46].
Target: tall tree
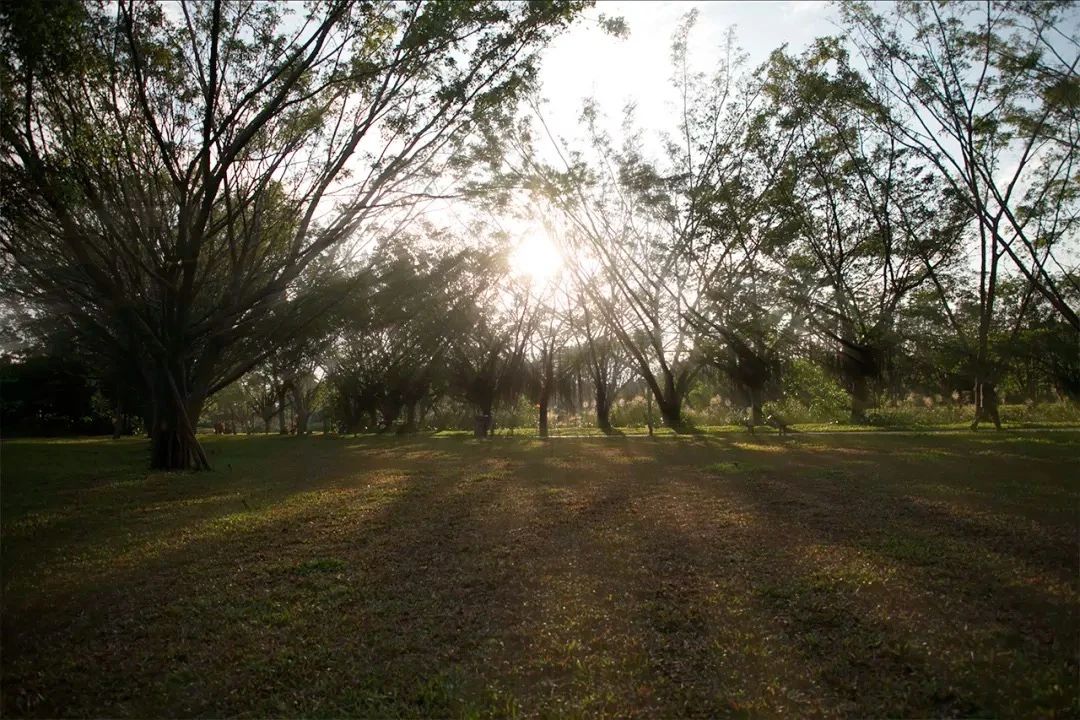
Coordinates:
[170,172]
[988,94]
[865,221]
[606,365]
[488,358]
[546,343]
[673,237]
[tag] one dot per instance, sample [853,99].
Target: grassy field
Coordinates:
[725,430]
[844,575]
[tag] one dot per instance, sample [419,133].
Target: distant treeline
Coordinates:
[232,222]
[43,395]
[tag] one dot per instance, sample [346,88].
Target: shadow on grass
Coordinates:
[997,601]
[400,577]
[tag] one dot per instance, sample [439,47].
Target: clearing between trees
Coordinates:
[839,575]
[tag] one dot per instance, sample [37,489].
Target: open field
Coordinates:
[841,575]
[572,431]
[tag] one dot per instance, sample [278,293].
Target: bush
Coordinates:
[918,414]
[631,412]
[810,395]
[450,414]
[49,395]
[719,411]
[1065,411]
[915,413]
[794,411]
[523,414]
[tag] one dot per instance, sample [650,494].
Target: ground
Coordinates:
[814,575]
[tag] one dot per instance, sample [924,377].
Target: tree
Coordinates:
[393,350]
[671,239]
[546,342]
[262,398]
[861,232]
[49,395]
[487,359]
[987,94]
[171,175]
[606,365]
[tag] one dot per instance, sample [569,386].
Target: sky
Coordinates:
[588,62]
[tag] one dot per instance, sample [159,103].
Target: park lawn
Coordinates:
[816,428]
[815,575]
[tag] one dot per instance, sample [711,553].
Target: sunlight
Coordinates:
[537,258]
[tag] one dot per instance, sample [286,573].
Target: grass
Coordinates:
[817,427]
[815,575]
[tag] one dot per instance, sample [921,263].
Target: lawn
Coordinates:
[814,575]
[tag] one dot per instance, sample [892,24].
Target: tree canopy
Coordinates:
[256,199]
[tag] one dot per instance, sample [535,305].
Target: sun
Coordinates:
[536,258]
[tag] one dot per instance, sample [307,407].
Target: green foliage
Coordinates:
[49,395]
[181,180]
[632,412]
[718,411]
[811,395]
[614,26]
[928,414]
[522,414]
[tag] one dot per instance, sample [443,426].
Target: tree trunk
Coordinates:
[603,409]
[986,405]
[484,422]
[170,449]
[670,405]
[282,430]
[301,409]
[266,425]
[648,412]
[410,419]
[860,399]
[671,411]
[756,417]
[544,416]
[390,411]
[173,445]
[545,389]
[301,413]
[117,421]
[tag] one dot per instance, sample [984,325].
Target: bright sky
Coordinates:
[588,62]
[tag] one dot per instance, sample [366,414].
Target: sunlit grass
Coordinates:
[717,574]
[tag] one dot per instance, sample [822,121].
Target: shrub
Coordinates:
[810,395]
[631,412]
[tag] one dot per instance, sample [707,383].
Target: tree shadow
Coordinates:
[446,578]
[1007,613]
